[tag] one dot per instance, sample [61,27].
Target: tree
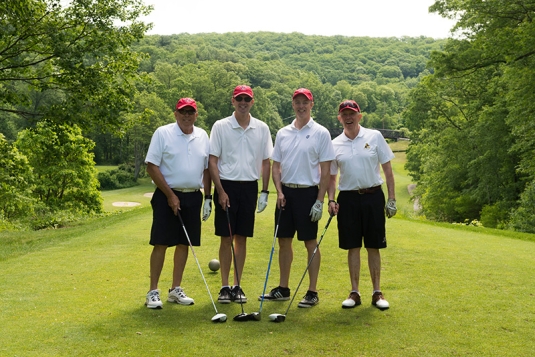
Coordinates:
[81,52]
[63,166]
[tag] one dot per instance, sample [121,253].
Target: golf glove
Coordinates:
[262,201]
[391,208]
[316,211]
[207,209]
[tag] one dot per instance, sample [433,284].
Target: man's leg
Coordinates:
[374,263]
[286,256]
[157,259]
[314,268]
[225,259]
[180,259]
[353,262]
[240,251]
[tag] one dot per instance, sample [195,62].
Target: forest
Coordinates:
[77,89]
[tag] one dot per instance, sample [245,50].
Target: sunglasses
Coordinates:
[187,111]
[246,98]
[348,104]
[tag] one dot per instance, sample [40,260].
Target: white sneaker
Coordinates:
[179,296]
[153,300]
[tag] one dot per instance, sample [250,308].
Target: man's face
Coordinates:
[349,118]
[242,103]
[302,106]
[186,117]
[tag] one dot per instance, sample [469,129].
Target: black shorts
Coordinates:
[296,214]
[166,227]
[361,216]
[242,196]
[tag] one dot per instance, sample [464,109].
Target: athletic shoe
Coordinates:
[238,295]
[153,300]
[277,294]
[309,300]
[378,300]
[352,301]
[225,295]
[179,296]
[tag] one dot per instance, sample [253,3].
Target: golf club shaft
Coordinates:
[309,262]
[196,260]
[270,258]
[234,258]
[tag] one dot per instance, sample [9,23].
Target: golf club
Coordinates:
[218,317]
[243,316]
[256,316]
[280,317]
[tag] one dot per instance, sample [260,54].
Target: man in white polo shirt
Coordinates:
[301,161]
[240,151]
[177,162]
[360,210]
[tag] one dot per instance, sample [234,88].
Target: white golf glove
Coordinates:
[207,209]
[316,211]
[262,201]
[391,208]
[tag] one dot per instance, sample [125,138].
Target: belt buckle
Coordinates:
[361,191]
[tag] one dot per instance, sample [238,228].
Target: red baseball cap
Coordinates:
[349,104]
[305,92]
[242,89]
[186,102]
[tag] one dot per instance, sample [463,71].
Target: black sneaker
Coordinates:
[225,296]
[238,295]
[309,300]
[277,294]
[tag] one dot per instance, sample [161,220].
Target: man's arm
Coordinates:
[156,176]
[325,177]
[214,175]
[266,173]
[276,175]
[389,176]
[331,190]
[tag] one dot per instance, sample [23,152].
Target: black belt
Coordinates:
[362,191]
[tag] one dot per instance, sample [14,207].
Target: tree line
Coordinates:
[74,74]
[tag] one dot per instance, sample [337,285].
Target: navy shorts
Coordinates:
[295,216]
[243,196]
[361,216]
[166,227]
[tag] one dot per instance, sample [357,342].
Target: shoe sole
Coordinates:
[223,301]
[242,301]
[306,305]
[273,299]
[180,302]
[153,306]
[381,308]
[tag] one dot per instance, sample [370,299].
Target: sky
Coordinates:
[373,18]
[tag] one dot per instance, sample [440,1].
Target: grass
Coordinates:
[453,290]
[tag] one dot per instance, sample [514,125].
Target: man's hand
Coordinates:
[316,211]
[207,209]
[262,201]
[390,208]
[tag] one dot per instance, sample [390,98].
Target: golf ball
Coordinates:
[214,265]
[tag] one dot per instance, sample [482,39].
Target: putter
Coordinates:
[256,316]
[217,317]
[243,316]
[281,317]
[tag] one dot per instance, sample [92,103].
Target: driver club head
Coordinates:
[241,317]
[219,318]
[277,317]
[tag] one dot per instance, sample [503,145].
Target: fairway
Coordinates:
[453,291]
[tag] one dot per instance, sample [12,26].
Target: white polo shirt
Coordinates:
[182,158]
[240,152]
[359,160]
[301,151]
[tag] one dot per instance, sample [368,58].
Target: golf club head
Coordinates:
[241,317]
[255,316]
[277,317]
[219,318]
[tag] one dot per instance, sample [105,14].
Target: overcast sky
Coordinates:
[374,18]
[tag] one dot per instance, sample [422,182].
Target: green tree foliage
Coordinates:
[76,55]
[16,182]
[472,120]
[63,166]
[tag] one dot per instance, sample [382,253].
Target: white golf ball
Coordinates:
[214,265]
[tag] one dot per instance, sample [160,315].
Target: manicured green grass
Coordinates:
[102,168]
[453,290]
